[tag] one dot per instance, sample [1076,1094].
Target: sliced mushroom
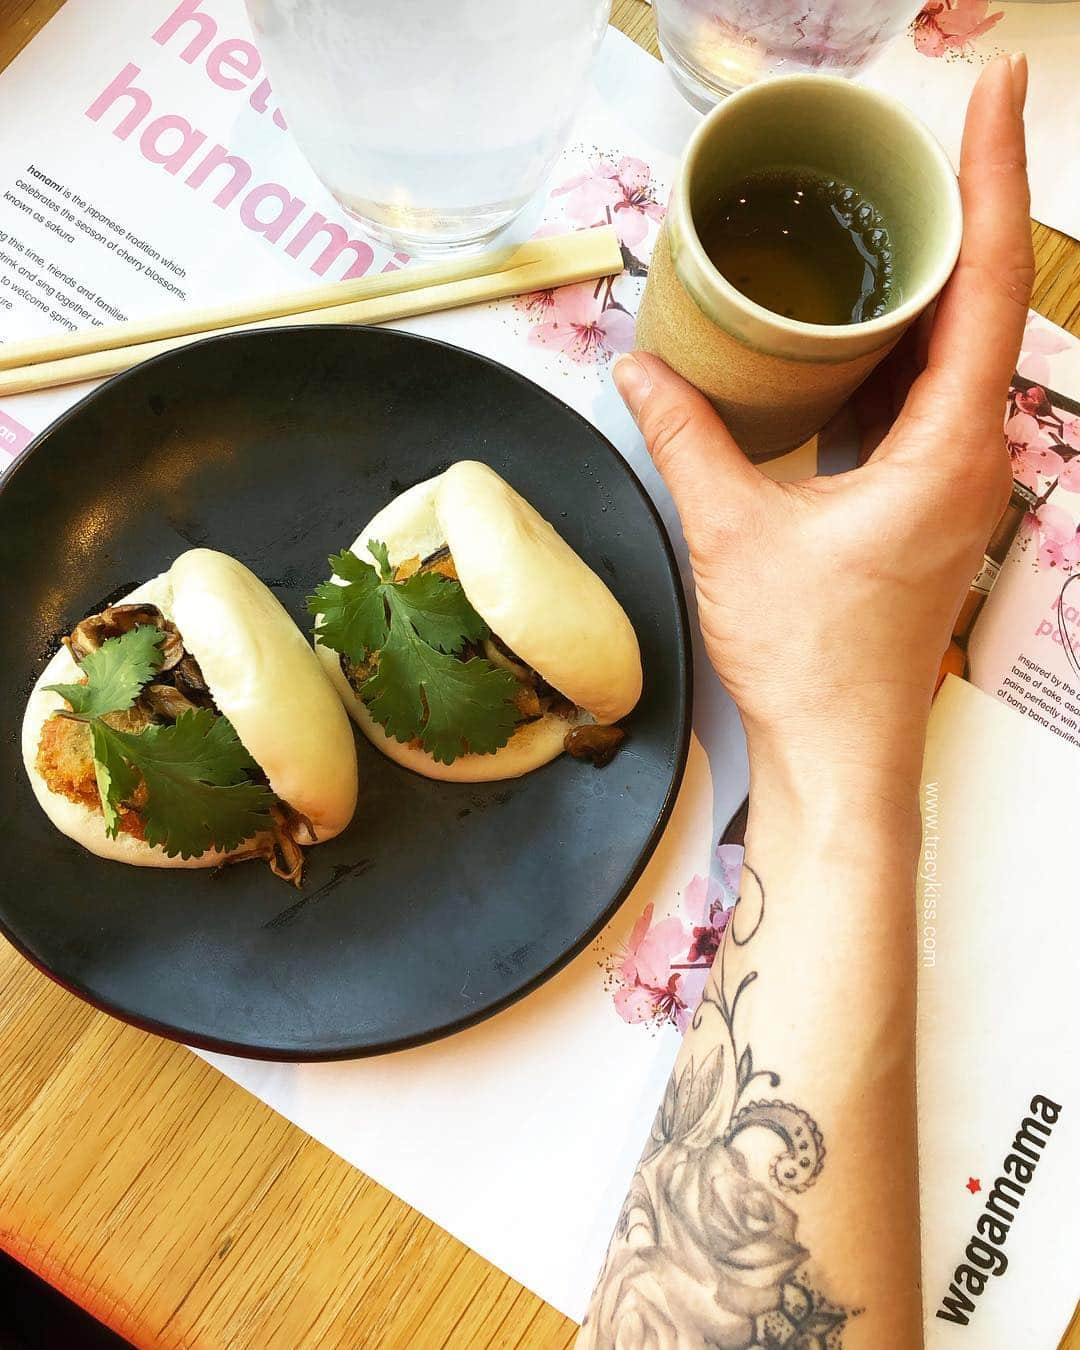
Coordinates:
[86,637]
[188,678]
[594,743]
[281,844]
[527,703]
[123,618]
[115,620]
[164,700]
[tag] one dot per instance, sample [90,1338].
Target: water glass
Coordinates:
[432,123]
[713,47]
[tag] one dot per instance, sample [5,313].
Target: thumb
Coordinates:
[695,453]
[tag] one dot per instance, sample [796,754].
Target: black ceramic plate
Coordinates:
[442,902]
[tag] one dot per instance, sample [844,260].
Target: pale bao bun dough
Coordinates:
[532,590]
[258,667]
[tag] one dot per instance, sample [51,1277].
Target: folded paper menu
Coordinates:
[999,1077]
[541,1111]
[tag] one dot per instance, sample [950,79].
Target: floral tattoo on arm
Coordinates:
[705,1255]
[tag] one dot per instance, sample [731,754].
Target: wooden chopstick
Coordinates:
[536,265]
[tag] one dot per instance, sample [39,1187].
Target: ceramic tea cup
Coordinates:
[776,380]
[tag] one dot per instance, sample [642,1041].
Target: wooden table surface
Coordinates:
[180,1210]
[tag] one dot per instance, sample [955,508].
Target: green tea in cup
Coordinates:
[810,223]
[803,245]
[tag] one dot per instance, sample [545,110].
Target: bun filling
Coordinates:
[65,758]
[534,698]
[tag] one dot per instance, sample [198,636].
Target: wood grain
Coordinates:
[184,1213]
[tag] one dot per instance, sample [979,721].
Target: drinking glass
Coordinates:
[432,123]
[713,47]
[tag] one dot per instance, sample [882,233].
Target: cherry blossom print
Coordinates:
[1044,442]
[659,976]
[1031,449]
[635,206]
[591,322]
[1070,434]
[1033,400]
[1059,539]
[537,305]
[648,990]
[621,193]
[1041,341]
[583,327]
[950,26]
[649,949]
[646,1003]
[589,194]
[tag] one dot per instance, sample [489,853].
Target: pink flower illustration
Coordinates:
[589,323]
[730,858]
[650,990]
[1040,342]
[621,193]
[538,305]
[1070,434]
[582,329]
[589,194]
[952,25]
[1059,537]
[649,949]
[1031,450]
[646,1003]
[660,974]
[1033,401]
[636,205]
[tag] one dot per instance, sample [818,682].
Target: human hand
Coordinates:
[826,605]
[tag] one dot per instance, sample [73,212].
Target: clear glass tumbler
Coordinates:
[432,121]
[713,47]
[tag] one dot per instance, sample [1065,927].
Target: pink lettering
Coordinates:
[173,160]
[259,96]
[337,242]
[289,208]
[122,87]
[1044,629]
[218,156]
[14,437]
[259,100]
[233,54]
[188,12]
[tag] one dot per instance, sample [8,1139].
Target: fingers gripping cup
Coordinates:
[811,222]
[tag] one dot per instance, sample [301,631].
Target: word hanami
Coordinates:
[171,141]
[983,1254]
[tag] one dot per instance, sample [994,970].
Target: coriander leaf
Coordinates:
[466,706]
[199,793]
[349,567]
[117,781]
[381,554]
[438,609]
[353,615]
[115,672]
[419,689]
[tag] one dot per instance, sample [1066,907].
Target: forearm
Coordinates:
[781,1170]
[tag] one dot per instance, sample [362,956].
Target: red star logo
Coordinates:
[973,1185]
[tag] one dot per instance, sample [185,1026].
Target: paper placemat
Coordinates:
[520,1135]
[933,69]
